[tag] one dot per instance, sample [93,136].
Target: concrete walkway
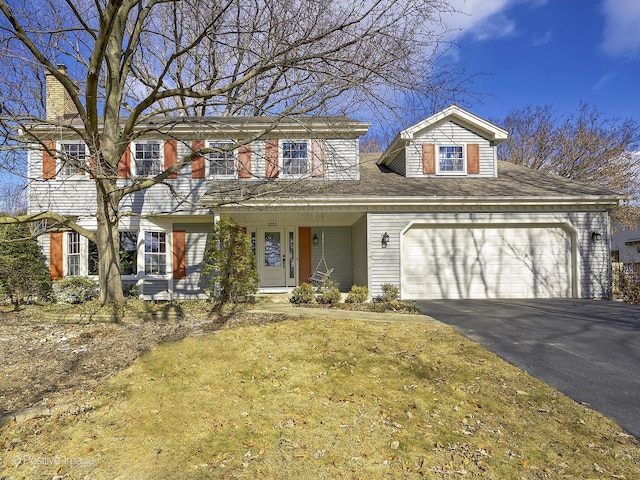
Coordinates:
[291,310]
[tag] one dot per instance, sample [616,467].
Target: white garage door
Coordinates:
[486,262]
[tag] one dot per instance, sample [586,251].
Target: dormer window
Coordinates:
[74,158]
[451,159]
[295,158]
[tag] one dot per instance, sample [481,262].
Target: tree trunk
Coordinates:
[108,242]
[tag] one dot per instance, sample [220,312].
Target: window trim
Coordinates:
[68,255]
[463,147]
[134,160]
[167,250]
[60,165]
[281,158]
[234,156]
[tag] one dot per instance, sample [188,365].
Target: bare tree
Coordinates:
[586,146]
[130,62]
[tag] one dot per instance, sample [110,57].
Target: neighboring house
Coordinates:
[625,245]
[436,214]
[625,241]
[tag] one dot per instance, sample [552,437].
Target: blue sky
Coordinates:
[550,52]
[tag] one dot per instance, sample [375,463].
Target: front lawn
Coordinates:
[322,399]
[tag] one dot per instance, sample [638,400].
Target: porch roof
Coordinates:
[379,184]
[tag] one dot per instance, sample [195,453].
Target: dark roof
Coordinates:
[513,181]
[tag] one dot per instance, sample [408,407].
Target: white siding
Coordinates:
[592,258]
[399,163]
[337,253]
[449,133]
[359,252]
[196,243]
[77,195]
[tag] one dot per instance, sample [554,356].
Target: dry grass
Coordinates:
[323,399]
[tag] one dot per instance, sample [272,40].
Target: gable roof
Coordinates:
[454,113]
[379,185]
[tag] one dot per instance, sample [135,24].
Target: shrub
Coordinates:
[330,296]
[229,269]
[390,293]
[357,294]
[131,290]
[24,275]
[75,290]
[628,290]
[303,294]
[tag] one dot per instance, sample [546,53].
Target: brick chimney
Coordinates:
[58,102]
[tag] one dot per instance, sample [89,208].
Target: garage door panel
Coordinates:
[509,262]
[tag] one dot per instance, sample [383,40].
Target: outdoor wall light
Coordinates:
[385,240]
[595,236]
[315,239]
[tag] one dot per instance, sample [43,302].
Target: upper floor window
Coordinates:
[223,161]
[74,158]
[147,158]
[451,159]
[295,158]
[155,253]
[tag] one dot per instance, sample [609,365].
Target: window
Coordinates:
[74,158]
[128,253]
[73,253]
[451,159]
[93,258]
[148,159]
[223,162]
[155,250]
[295,158]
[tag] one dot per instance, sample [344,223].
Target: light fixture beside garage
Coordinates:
[385,240]
[595,236]
[315,239]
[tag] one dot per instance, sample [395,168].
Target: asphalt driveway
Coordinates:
[588,349]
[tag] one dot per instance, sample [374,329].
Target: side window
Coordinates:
[295,158]
[155,253]
[128,255]
[73,158]
[73,253]
[451,159]
[93,259]
[147,158]
[222,163]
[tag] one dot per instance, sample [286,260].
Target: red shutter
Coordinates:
[124,165]
[244,161]
[179,255]
[473,158]
[48,161]
[55,255]
[304,253]
[317,158]
[271,159]
[171,156]
[197,164]
[428,158]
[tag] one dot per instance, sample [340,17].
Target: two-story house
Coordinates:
[436,214]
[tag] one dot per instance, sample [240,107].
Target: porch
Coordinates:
[289,248]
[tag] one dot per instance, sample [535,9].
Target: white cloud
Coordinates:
[543,39]
[602,82]
[622,27]
[485,19]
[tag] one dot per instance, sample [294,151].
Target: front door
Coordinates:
[272,258]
